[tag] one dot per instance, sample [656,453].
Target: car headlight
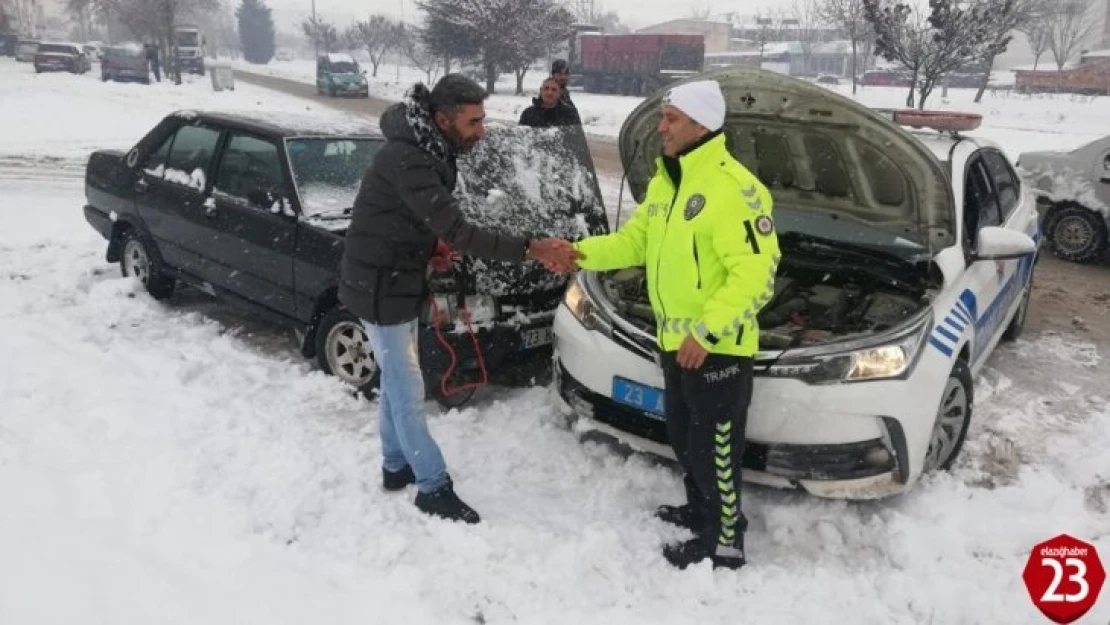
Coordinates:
[581,304]
[893,359]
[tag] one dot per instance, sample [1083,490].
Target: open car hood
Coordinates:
[816,151]
[533,182]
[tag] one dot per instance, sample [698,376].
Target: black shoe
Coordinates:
[398,480]
[444,503]
[682,516]
[693,551]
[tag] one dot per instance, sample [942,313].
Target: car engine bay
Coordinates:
[810,307]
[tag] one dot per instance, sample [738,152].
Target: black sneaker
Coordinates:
[682,516]
[444,503]
[398,480]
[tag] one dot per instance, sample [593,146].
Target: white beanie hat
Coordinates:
[702,101]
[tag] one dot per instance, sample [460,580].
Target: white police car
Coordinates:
[907,254]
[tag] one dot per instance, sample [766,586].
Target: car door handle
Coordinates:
[210,210]
[141,186]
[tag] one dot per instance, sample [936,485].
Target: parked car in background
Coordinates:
[25,50]
[254,209]
[61,57]
[339,74]
[1073,197]
[896,282]
[125,62]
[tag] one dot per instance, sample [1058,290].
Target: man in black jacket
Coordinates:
[548,110]
[560,71]
[403,209]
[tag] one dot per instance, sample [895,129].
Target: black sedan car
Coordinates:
[252,208]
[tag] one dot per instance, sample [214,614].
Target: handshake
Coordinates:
[556,255]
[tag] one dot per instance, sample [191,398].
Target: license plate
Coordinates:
[638,395]
[536,337]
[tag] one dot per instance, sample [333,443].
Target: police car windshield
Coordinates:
[849,230]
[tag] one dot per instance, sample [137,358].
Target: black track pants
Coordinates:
[707,412]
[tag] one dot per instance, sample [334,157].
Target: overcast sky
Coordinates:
[635,13]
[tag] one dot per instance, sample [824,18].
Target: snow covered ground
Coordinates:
[178,462]
[1020,122]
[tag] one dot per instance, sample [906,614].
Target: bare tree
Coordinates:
[422,58]
[949,38]
[321,34]
[1070,24]
[850,17]
[1038,35]
[1021,14]
[807,15]
[701,11]
[540,27]
[378,35]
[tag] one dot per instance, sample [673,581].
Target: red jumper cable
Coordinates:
[441,262]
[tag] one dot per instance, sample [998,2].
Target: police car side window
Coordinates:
[1005,182]
[980,203]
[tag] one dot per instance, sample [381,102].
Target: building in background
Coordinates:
[717,34]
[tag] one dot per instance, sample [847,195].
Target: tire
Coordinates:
[1017,324]
[139,258]
[343,350]
[1075,233]
[953,419]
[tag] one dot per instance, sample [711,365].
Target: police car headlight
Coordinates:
[894,358]
[582,305]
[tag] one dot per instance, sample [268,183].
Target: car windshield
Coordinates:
[343,67]
[845,229]
[123,52]
[328,172]
[50,48]
[188,40]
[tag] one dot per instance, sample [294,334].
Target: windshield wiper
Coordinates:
[841,249]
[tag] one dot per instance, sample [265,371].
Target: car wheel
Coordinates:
[1075,233]
[953,419]
[1017,324]
[140,259]
[343,350]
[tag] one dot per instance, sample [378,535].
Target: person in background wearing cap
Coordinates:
[561,73]
[705,235]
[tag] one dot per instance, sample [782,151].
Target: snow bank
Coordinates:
[54,116]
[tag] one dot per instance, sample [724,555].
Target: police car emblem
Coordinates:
[694,206]
[764,224]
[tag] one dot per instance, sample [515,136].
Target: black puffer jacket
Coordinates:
[404,205]
[539,117]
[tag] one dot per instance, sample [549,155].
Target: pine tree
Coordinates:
[256,31]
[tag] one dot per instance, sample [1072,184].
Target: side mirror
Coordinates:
[997,243]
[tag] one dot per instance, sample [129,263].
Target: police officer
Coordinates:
[705,235]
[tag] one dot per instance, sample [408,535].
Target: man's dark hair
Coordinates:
[453,91]
[559,66]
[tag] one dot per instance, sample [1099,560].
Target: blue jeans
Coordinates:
[404,430]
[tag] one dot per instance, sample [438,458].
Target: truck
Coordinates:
[637,64]
[190,49]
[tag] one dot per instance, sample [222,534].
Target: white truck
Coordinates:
[190,49]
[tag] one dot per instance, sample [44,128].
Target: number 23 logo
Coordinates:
[1079,577]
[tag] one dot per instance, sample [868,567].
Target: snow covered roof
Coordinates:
[290,124]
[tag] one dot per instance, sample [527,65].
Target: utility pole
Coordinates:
[315,30]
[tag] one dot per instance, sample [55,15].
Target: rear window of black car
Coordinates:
[50,48]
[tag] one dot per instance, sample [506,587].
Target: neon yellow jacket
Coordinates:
[709,249]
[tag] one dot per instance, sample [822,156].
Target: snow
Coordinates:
[179,462]
[1019,121]
[1063,181]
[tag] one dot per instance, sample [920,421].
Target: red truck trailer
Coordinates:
[637,64]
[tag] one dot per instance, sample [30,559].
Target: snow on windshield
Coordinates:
[328,173]
[528,182]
